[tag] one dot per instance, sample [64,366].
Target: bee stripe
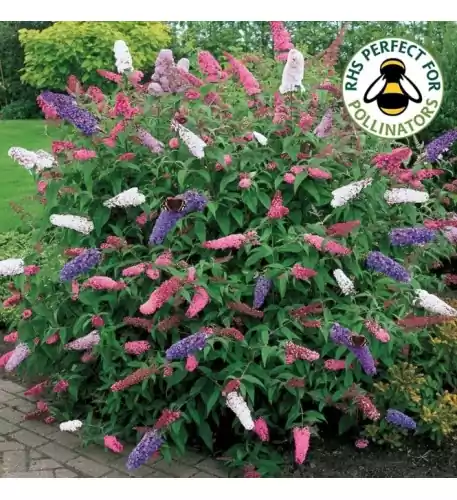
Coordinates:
[392,112]
[392,62]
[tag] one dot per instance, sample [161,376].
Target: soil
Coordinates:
[335,459]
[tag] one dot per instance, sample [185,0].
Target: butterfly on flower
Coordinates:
[358,341]
[174,204]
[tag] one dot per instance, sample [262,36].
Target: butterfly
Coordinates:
[358,341]
[175,204]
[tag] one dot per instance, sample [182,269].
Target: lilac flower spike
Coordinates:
[262,289]
[411,236]
[187,346]
[194,202]
[440,145]
[376,261]
[67,109]
[20,353]
[399,419]
[342,336]
[80,264]
[143,451]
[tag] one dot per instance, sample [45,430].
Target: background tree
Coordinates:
[80,48]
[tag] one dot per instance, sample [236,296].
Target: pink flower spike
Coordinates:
[301,439]
[137,347]
[235,241]
[126,157]
[164,259]
[161,295]
[135,270]
[361,443]
[289,178]
[103,283]
[31,270]
[326,246]
[26,313]
[261,429]
[245,183]
[74,290]
[4,358]
[277,209]
[142,219]
[61,386]
[317,173]
[335,365]
[199,301]
[55,337]
[112,443]
[250,472]
[97,321]
[36,390]
[151,273]
[84,154]
[173,143]
[191,363]
[381,334]
[303,273]
[11,338]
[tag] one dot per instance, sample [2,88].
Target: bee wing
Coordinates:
[410,89]
[375,89]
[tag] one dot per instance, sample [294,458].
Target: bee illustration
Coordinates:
[176,204]
[393,89]
[358,341]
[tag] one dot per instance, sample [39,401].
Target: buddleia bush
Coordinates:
[244,267]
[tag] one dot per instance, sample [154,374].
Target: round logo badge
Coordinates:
[392,88]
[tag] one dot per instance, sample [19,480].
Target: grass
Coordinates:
[16,184]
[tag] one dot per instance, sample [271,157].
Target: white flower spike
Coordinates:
[239,407]
[260,138]
[31,159]
[432,303]
[193,142]
[129,198]
[346,193]
[123,57]
[11,267]
[71,426]
[184,64]
[293,72]
[405,195]
[80,224]
[346,285]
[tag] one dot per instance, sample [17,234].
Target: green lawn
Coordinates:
[16,184]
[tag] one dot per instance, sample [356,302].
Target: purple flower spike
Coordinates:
[80,264]
[187,346]
[342,336]
[411,236]
[378,262]
[149,141]
[67,109]
[440,145]
[262,288]
[194,202]
[399,419]
[149,444]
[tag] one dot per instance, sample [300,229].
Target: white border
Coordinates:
[233,10]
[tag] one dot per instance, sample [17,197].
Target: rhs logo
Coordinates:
[392,88]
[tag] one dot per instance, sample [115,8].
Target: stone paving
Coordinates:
[33,449]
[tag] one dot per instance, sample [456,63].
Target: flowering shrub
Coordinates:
[240,262]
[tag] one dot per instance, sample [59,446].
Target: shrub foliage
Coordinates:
[215,286]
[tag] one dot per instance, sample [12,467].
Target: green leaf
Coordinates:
[227,180]
[204,431]
[345,423]
[258,254]
[212,400]
[182,174]
[298,180]
[100,218]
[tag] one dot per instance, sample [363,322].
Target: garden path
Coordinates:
[32,449]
